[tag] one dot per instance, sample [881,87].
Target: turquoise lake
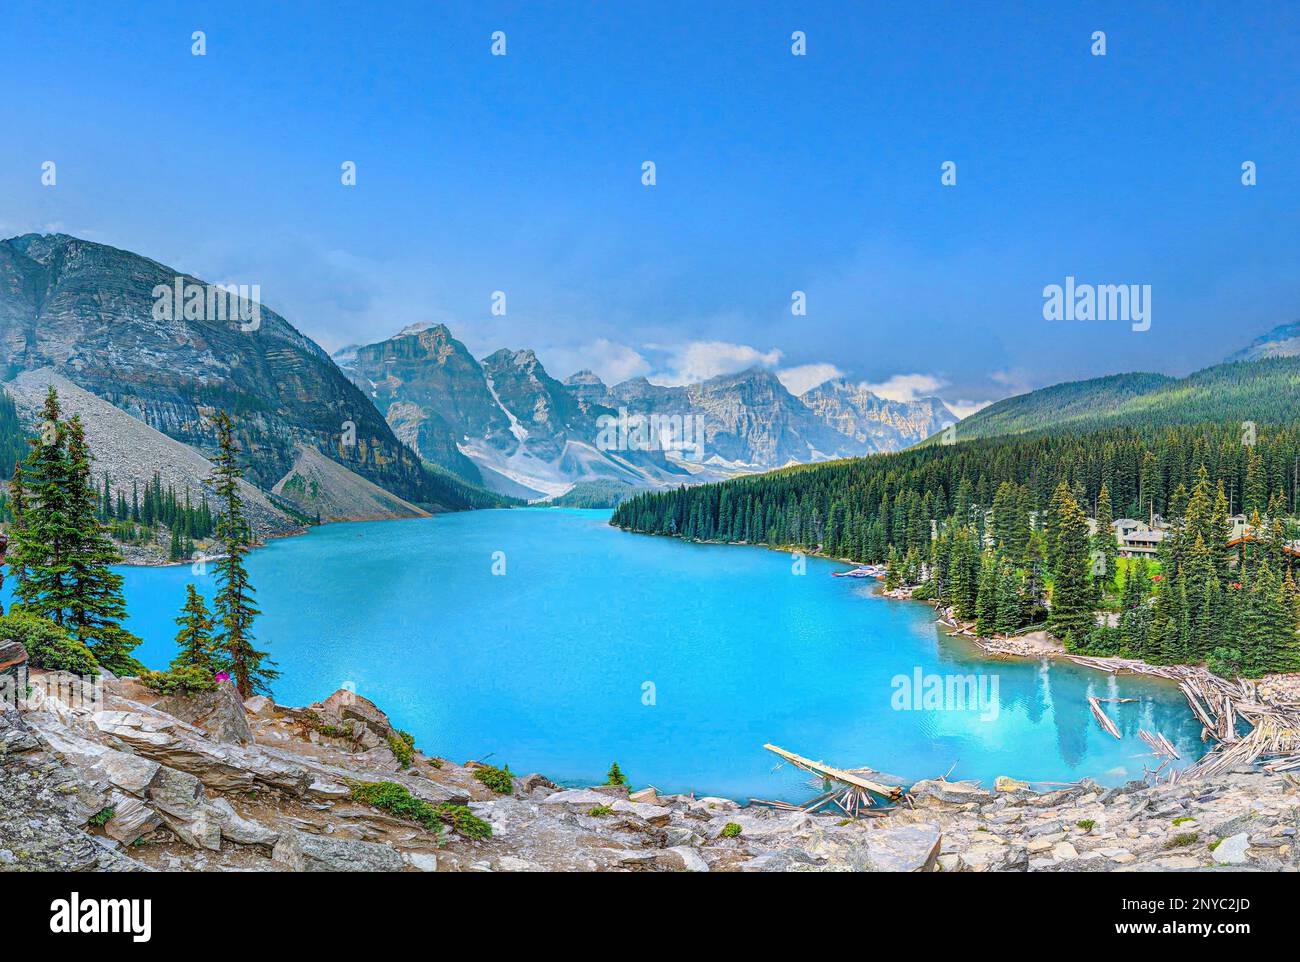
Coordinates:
[548,667]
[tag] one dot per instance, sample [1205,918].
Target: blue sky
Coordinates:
[775,173]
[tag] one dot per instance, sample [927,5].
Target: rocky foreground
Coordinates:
[207,783]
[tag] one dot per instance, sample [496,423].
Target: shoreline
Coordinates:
[1271,705]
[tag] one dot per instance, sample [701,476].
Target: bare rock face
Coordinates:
[907,848]
[220,713]
[88,311]
[44,806]
[349,706]
[13,656]
[319,853]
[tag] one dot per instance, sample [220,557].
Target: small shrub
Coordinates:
[1086,824]
[102,817]
[1215,844]
[599,811]
[183,680]
[398,801]
[402,745]
[1182,839]
[1183,820]
[48,646]
[338,731]
[731,830]
[465,822]
[435,763]
[1225,662]
[500,780]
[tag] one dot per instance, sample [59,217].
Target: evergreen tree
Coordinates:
[1009,605]
[96,606]
[986,601]
[196,646]
[1071,617]
[1104,543]
[234,607]
[44,532]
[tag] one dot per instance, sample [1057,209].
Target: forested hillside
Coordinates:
[1264,391]
[862,508]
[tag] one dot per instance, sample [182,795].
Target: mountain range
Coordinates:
[504,422]
[409,424]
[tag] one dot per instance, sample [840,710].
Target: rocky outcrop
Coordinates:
[326,489]
[88,311]
[131,784]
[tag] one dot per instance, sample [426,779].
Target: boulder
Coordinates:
[421,861]
[1004,783]
[654,814]
[221,767]
[903,848]
[783,860]
[240,830]
[583,798]
[349,706]
[319,853]
[176,793]
[1232,850]
[649,795]
[97,763]
[953,793]
[530,783]
[131,818]
[220,713]
[691,860]
[1064,851]
[201,830]
[13,656]
[259,706]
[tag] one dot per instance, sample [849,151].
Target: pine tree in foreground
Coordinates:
[96,606]
[234,608]
[195,645]
[42,532]
[61,554]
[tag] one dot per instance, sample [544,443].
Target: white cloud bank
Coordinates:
[804,377]
[700,360]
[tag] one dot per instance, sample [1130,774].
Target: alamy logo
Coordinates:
[72,916]
[682,433]
[209,302]
[929,692]
[1101,302]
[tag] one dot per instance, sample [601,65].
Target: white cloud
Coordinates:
[805,377]
[907,387]
[701,360]
[964,409]
[612,362]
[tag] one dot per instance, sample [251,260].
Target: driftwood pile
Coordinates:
[1220,705]
[849,790]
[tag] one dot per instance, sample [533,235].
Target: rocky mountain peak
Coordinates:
[87,311]
[584,377]
[1281,341]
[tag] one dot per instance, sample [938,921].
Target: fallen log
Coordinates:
[829,773]
[1107,725]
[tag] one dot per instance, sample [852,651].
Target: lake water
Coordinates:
[549,666]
